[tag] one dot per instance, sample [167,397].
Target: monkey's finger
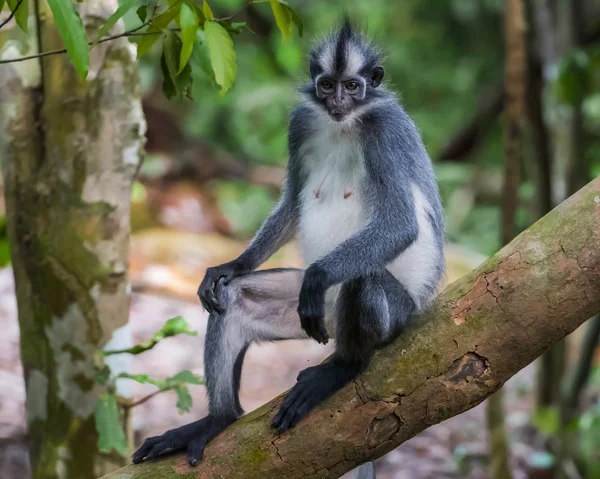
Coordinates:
[288,420]
[195,451]
[322,331]
[140,454]
[158,450]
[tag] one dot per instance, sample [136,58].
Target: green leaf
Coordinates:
[108,424]
[142,13]
[181,82]
[172,327]
[283,18]
[201,57]
[188,21]
[234,27]
[161,22]
[115,17]
[187,377]
[1,5]
[22,13]
[208,14]
[184,399]
[72,32]
[221,54]
[168,84]
[295,17]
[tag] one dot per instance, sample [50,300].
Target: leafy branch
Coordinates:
[197,36]
[112,411]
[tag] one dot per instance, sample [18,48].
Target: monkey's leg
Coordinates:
[371,311]
[259,306]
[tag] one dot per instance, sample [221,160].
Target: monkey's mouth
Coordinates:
[338,115]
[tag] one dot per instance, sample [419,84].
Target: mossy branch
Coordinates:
[477,334]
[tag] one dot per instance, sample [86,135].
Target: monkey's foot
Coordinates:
[192,437]
[315,384]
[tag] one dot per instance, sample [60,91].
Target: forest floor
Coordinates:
[453,449]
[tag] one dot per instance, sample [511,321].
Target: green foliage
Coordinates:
[172,327]
[108,424]
[221,54]
[177,383]
[284,16]
[71,29]
[21,13]
[188,20]
[174,83]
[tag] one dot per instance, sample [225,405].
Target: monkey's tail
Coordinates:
[365,471]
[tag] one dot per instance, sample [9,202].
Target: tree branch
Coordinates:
[478,333]
[134,32]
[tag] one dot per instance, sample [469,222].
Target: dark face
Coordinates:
[341,95]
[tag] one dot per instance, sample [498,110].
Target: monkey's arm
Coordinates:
[277,230]
[392,229]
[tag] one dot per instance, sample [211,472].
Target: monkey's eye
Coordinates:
[326,85]
[351,85]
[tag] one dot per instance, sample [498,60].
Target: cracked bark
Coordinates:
[462,349]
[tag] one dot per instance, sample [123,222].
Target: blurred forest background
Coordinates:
[214,165]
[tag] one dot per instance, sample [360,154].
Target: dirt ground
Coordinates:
[455,448]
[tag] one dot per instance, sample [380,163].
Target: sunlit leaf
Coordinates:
[283,18]
[222,55]
[188,21]
[294,16]
[108,424]
[22,12]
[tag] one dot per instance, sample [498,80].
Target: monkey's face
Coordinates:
[341,95]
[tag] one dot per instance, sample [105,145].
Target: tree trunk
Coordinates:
[515,85]
[478,333]
[70,150]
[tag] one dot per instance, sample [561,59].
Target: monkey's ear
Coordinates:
[376,76]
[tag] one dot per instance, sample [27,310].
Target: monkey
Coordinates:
[362,201]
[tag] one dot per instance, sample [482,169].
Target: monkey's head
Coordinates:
[345,69]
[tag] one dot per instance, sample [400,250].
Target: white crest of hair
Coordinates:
[327,57]
[415,268]
[354,60]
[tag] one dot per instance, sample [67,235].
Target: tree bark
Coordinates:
[70,150]
[478,333]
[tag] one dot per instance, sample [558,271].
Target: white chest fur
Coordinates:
[332,209]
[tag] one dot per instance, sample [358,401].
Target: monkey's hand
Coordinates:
[311,305]
[213,275]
